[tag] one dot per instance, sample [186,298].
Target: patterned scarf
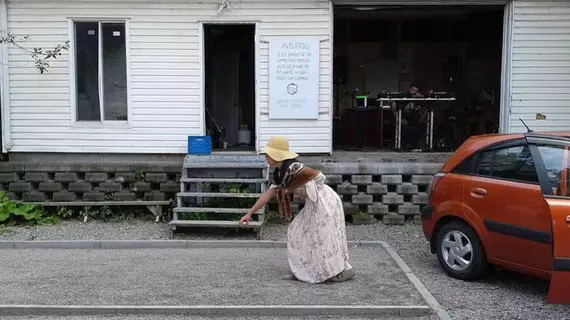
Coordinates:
[292,175]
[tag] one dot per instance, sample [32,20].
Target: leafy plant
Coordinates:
[140,175]
[13,213]
[40,56]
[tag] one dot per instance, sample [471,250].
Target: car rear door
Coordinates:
[553,166]
[503,194]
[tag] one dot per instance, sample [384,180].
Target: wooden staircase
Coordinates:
[217,190]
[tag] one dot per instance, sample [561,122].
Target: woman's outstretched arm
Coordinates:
[262,201]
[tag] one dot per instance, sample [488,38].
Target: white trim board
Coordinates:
[5,80]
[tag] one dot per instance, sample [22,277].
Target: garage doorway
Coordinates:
[391,49]
[229,85]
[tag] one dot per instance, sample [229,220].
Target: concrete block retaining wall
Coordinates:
[391,191]
[89,182]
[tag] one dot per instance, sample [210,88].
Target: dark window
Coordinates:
[465,167]
[512,163]
[556,161]
[87,71]
[101,71]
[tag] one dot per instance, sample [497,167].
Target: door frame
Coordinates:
[202,70]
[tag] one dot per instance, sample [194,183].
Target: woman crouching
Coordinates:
[317,250]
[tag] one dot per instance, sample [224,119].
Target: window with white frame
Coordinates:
[100,71]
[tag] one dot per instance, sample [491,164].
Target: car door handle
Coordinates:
[478,192]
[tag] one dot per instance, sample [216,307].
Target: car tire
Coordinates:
[452,257]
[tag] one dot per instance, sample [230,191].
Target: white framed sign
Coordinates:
[294,78]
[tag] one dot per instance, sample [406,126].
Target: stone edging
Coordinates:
[221,311]
[159,244]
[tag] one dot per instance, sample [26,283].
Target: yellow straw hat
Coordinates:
[278,149]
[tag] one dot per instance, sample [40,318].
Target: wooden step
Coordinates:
[221,165]
[214,223]
[223,180]
[214,210]
[217,195]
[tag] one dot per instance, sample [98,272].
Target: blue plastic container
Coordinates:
[199,145]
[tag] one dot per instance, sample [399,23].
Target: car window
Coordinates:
[511,163]
[556,162]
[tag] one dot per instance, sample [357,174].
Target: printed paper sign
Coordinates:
[294,78]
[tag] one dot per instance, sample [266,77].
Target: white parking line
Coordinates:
[439,310]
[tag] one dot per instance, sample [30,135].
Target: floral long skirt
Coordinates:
[316,239]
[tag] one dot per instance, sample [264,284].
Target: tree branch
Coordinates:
[40,56]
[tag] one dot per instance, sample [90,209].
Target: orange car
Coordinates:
[504,200]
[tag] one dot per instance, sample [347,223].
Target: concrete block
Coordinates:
[376,188]
[36,176]
[420,198]
[125,177]
[80,187]
[155,196]
[334,179]
[50,186]
[362,198]
[377,208]
[110,187]
[58,244]
[347,188]
[7,177]
[66,176]
[408,209]
[156,177]
[170,187]
[407,188]
[96,177]
[363,219]
[349,208]
[391,179]
[64,196]
[34,196]
[394,219]
[392,198]
[144,244]
[93,196]
[124,196]
[20,187]
[141,187]
[421,179]
[11,196]
[361,179]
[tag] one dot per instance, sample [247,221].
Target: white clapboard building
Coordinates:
[142,75]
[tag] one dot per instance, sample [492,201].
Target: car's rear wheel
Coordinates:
[460,251]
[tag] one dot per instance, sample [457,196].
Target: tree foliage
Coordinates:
[41,56]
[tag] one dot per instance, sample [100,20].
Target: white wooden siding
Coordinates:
[166,74]
[540,65]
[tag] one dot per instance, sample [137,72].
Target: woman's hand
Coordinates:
[244,221]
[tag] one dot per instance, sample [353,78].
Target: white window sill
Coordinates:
[102,125]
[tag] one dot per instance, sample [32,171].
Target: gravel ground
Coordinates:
[503,295]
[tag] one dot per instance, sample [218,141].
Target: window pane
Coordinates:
[87,62]
[484,167]
[557,168]
[114,71]
[514,164]
[464,167]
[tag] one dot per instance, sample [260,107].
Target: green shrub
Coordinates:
[13,213]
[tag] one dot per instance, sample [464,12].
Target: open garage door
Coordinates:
[416,74]
[417,2]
